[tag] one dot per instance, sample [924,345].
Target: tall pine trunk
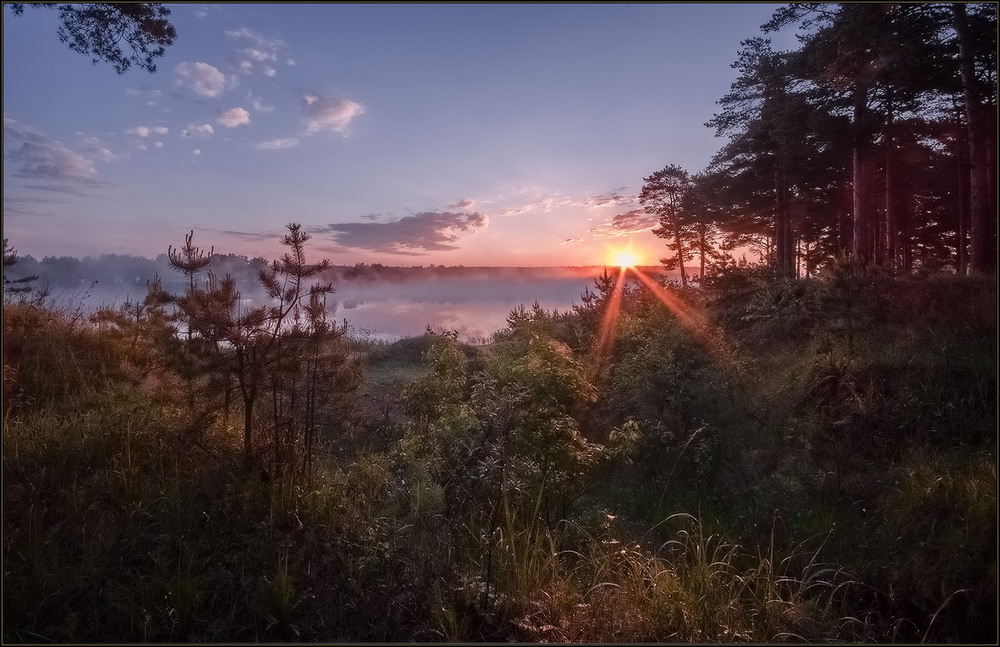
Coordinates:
[982,226]
[864,216]
[680,254]
[783,243]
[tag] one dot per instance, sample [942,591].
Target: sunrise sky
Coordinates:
[481,134]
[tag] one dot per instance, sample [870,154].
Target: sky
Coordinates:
[416,134]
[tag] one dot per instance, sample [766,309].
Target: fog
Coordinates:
[378,302]
[475,306]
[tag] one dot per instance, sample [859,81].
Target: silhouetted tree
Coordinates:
[668,194]
[982,145]
[100,29]
[281,353]
[888,67]
[14,286]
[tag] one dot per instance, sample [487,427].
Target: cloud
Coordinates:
[463,204]
[258,103]
[40,156]
[234,117]
[200,132]
[51,162]
[196,151]
[415,235]
[256,38]
[94,149]
[201,78]
[148,96]
[146,131]
[616,198]
[329,113]
[544,205]
[260,56]
[277,144]
[626,224]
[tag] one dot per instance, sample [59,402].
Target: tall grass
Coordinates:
[850,495]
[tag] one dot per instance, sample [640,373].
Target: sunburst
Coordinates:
[625,258]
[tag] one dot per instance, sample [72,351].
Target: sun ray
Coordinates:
[704,331]
[605,337]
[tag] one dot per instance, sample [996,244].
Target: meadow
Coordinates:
[753,461]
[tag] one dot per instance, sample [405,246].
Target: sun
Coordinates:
[625,258]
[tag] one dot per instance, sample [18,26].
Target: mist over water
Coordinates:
[474,306]
[390,304]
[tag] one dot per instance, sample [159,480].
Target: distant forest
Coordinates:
[74,276]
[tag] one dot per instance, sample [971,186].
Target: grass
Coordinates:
[849,493]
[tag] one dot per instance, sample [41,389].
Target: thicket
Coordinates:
[804,460]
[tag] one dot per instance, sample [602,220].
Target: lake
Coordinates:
[391,303]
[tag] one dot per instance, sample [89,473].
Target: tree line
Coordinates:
[874,140]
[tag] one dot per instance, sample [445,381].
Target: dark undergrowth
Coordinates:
[811,461]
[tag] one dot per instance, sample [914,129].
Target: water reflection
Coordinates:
[474,306]
[473,303]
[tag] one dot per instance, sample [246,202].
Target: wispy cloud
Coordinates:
[260,57]
[329,113]
[543,205]
[198,131]
[536,199]
[626,224]
[463,204]
[52,162]
[617,198]
[234,117]
[146,131]
[94,148]
[41,157]
[202,78]
[141,133]
[258,103]
[249,236]
[415,235]
[255,37]
[148,96]
[278,144]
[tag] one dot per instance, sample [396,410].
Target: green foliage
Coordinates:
[623,441]
[843,475]
[283,353]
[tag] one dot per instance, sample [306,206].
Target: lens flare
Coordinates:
[705,333]
[703,330]
[606,335]
[625,258]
